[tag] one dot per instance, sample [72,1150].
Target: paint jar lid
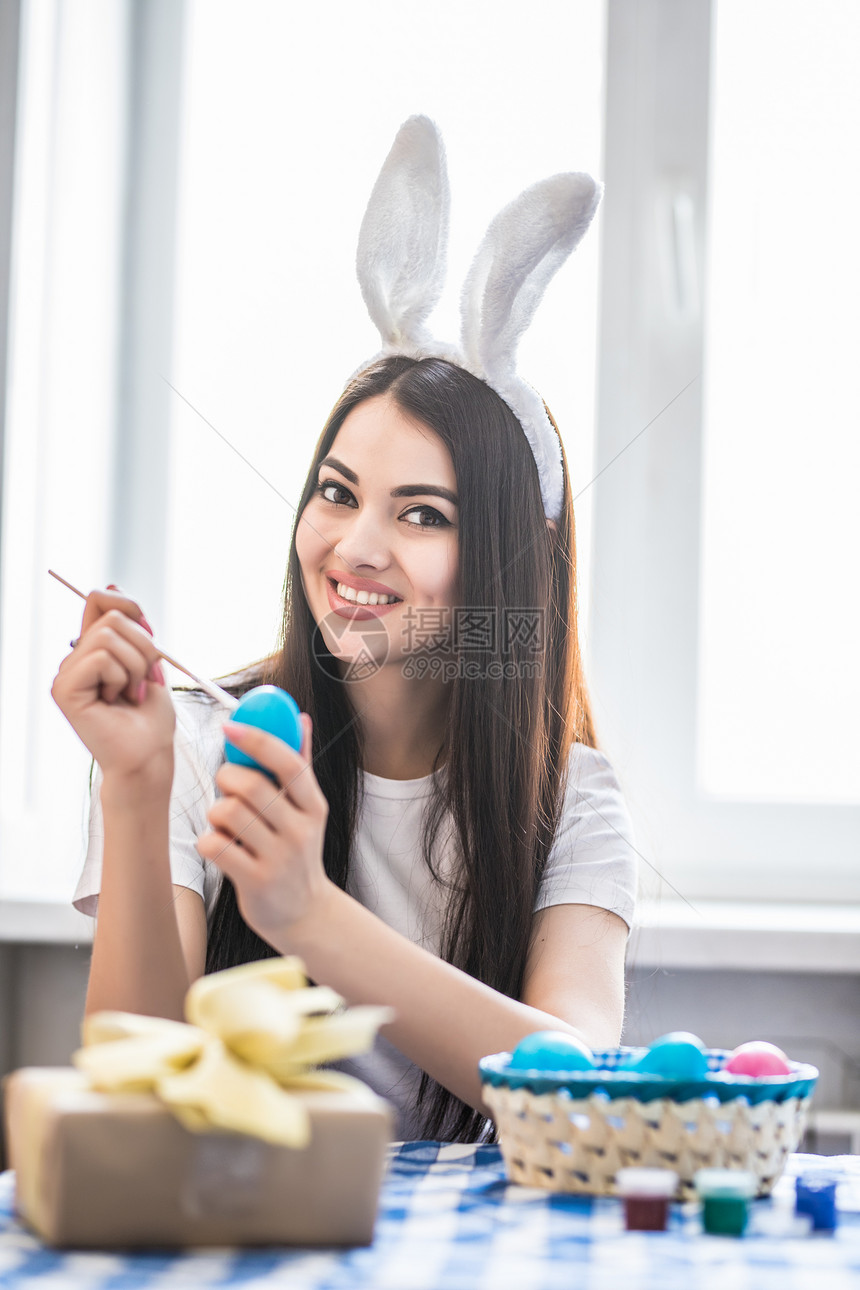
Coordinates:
[816,1181]
[646,1182]
[736,1184]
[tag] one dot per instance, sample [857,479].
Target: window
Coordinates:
[190,188]
[189,184]
[780,627]
[724,627]
[61,412]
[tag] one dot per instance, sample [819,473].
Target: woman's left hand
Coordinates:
[267,840]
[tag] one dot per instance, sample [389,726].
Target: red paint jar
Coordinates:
[646,1194]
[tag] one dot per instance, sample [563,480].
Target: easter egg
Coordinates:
[552,1050]
[678,1055]
[268,708]
[757,1058]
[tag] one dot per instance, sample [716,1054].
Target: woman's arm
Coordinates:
[575,970]
[446,1020]
[111,689]
[150,936]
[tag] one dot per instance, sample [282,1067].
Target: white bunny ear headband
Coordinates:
[401,269]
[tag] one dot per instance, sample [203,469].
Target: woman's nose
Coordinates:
[364,541]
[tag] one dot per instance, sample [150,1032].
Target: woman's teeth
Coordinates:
[364,597]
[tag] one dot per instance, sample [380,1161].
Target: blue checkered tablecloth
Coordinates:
[448,1220]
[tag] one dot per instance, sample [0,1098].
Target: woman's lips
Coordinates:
[351,609]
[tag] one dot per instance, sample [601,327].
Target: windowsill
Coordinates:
[733,935]
[43,922]
[715,934]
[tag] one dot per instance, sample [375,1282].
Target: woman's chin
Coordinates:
[357,655]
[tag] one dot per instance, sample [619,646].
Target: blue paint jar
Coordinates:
[816,1196]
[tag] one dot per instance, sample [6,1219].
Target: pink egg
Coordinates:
[757,1058]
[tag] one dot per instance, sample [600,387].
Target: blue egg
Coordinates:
[552,1050]
[678,1055]
[268,708]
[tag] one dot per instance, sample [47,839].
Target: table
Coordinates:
[449,1221]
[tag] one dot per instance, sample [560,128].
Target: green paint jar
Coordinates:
[725,1195]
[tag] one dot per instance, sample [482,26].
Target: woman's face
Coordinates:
[381,523]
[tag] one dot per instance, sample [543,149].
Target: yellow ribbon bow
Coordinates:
[256,1035]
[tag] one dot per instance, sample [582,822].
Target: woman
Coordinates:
[534,913]
[448,841]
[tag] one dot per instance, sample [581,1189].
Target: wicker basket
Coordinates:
[574,1130]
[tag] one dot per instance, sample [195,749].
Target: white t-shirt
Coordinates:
[592,860]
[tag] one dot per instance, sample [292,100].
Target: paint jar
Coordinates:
[725,1195]
[646,1194]
[816,1196]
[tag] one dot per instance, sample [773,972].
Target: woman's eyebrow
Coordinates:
[405,490]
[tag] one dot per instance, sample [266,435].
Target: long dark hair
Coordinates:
[508,734]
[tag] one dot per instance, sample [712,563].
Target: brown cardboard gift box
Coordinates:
[112,1170]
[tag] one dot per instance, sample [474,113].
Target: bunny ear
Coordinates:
[404,235]
[522,250]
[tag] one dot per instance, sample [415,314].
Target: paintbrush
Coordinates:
[209,687]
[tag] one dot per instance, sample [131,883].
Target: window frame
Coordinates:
[647,494]
[648,502]
[97,263]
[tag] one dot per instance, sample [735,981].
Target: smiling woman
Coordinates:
[345,535]
[452,844]
[448,840]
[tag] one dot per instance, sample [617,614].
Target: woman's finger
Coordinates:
[116,621]
[100,602]
[132,659]
[292,770]
[100,670]
[231,815]
[128,641]
[256,790]
[234,860]
[142,620]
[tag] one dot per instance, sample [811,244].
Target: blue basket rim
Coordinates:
[607,1080]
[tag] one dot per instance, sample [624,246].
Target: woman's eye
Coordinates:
[419,517]
[329,490]
[426,518]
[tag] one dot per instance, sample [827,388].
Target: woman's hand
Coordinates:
[268,840]
[111,690]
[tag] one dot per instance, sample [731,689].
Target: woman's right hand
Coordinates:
[112,691]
